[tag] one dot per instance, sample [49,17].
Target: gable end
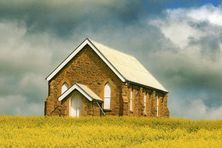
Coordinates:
[76,51]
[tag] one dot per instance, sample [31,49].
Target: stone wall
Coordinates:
[138,101]
[88,69]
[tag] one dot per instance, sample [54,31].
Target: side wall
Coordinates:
[88,69]
[138,101]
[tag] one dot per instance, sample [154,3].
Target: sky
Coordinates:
[178,41]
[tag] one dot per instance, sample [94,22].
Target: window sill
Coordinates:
[107,110]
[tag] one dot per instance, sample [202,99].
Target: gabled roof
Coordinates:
[126,67]
[83,89]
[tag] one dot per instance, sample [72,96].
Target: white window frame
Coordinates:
[144,103]
[64,88]
[131,100]
[157,106]
[107,97]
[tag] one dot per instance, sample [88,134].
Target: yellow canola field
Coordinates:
[108,132]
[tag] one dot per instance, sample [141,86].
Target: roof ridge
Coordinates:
[111,48]
[125,66]
[140,67]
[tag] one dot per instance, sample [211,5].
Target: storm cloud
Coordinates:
[180,46]
[195,67]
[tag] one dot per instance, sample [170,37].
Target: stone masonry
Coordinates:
[87,68]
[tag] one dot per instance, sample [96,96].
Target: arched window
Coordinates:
[131,100]
[107,96]
[157,106]
[64,88]
[144,103]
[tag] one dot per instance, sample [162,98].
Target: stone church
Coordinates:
[96,80]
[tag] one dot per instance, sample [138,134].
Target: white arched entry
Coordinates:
[75,104]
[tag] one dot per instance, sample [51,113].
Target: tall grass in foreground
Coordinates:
[108,132]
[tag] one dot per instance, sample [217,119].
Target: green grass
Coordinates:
[108,132]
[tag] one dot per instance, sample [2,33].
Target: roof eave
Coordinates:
[78,49]
[66,60]
[165,91]
[79,89]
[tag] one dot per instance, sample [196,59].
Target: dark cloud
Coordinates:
[18,105]
[193,71]
[182,51]
[210,46]
[65,16]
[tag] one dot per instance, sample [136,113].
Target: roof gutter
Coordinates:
[135,83]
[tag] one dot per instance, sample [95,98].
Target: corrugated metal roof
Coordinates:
[126,67]
[89,92]
[83,89]
[129,67]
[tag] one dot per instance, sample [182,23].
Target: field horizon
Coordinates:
[109,131]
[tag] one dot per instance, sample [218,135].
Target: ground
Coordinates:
[108,132]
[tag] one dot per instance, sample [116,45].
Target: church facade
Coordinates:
[96,80]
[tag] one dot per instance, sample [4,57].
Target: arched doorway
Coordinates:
[75,105]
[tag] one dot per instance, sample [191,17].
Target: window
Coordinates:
[107,96]
[144,103]
[131,100]
[157,106]
[64,88]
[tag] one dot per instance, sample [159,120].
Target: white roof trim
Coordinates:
[77,50]
[85,92]
[125,67]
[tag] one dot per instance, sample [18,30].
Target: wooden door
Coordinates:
[76,102]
